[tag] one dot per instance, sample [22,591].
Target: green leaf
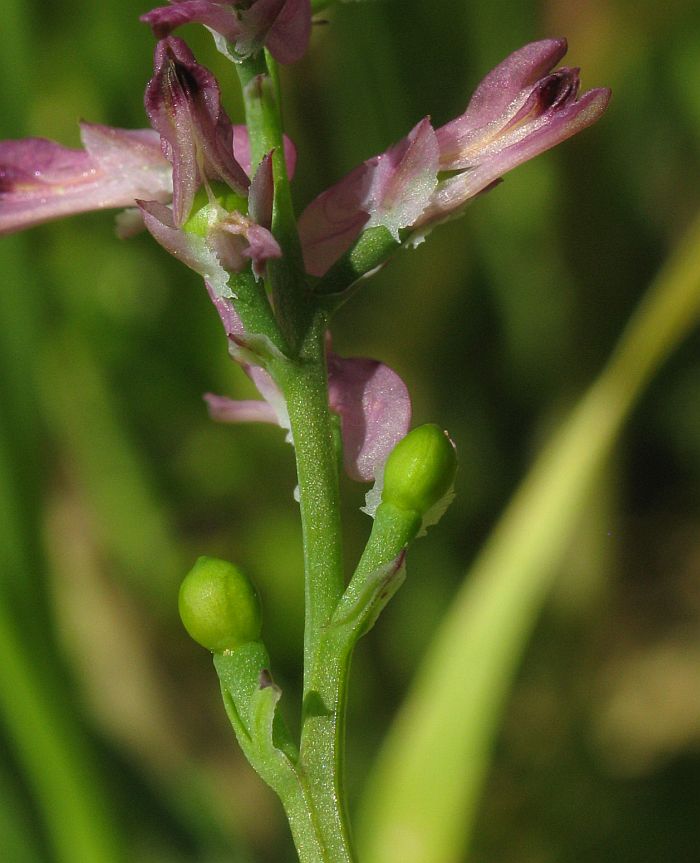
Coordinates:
[417,806]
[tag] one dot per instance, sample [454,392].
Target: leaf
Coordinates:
[417,805]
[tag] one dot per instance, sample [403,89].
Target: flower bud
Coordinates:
[219,606]
[420,470]
[206,208]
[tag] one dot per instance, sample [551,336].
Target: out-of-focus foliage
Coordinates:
[113,480]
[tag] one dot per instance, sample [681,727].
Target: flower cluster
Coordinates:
[189,180]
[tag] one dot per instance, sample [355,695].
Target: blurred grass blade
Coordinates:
[50,748]
[420,804]
[132,520]
[17,842]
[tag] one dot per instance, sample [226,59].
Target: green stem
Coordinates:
[322,740]
[323,745]
[255,311]
[265,130]
[305,388]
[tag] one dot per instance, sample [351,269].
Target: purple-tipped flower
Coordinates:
[519,110]
[184,104]
[219,239]
[242,27]
[212,228]
[370,398]
[40,180]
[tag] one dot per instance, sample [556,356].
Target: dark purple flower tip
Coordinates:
[184,105]
[220,17]
[514,100]
[242,29]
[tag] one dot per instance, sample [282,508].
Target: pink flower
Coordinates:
[241,28]
[221,233]
[219,220]
[371,399]
[41,180]
[519,110]
[183,103]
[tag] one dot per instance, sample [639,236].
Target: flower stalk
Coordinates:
[218,197]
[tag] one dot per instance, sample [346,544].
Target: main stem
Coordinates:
[322,740]
[304,382]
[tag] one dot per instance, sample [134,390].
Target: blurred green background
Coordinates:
[112,478]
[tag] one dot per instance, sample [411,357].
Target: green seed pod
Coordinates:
[420,470]
[219,606]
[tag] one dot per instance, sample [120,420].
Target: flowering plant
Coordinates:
[216,195]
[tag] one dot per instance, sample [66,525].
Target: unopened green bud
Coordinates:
[219,605]
[205,208]
[420,470]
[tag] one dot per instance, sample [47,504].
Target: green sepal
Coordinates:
[366,598]
[250,698]
[371,251]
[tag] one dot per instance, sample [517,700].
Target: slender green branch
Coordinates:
[264,120]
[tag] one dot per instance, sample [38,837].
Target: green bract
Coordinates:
[219,605]
[420,470]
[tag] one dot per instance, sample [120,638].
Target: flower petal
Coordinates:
[559,125]
[391,190]
[283,26]
[183,103]
[375,411]
[216,16]
[225,410]
[499,92]
[191,249]
[41,180]
[288,37]
[241,151]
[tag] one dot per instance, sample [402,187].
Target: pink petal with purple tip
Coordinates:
[500,92]
[41,180]
[516,145]
[184,105]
